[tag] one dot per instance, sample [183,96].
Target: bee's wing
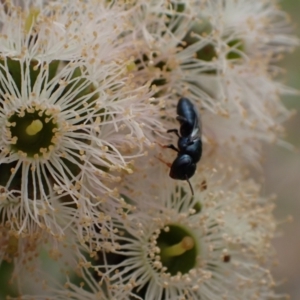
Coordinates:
[197,128]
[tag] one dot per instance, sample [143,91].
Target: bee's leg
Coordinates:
[164,162]
[171,146]
[175,131]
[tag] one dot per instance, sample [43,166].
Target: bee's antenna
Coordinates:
[187,179]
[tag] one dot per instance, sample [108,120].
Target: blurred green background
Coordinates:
[282,172]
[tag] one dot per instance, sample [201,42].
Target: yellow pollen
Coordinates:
[131,66]
[34,128]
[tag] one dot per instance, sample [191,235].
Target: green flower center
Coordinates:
[178,249]
[33,131]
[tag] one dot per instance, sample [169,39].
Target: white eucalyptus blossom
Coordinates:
[88,129]
[58,269]
[174,246]
[61,130]
[26,255]
[66,124]
[220,54]
[61,30]
[41,260]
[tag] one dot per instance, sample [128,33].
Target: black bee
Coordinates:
[189,143]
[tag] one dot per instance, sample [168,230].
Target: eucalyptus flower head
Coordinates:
[60,30]
[40,261]
[58,269]
[174,246]
[219,54]
[24,256]
[69,124]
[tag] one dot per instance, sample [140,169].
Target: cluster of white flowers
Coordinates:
[88,92]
